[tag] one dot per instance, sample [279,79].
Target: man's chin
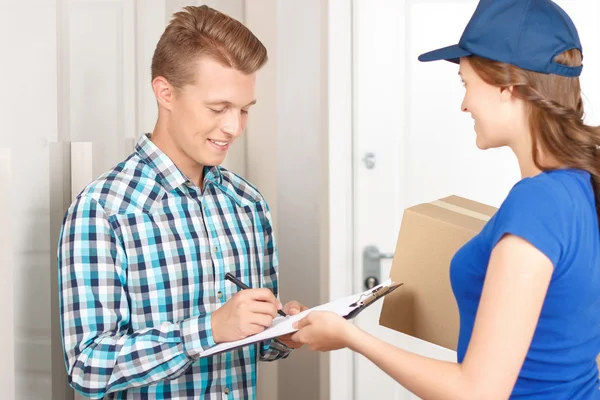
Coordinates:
[212,161]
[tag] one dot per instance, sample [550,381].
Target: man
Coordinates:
[144,249]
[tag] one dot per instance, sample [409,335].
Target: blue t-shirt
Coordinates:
[554,211]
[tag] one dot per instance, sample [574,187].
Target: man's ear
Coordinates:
[163,91]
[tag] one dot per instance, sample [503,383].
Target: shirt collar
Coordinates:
[169,175]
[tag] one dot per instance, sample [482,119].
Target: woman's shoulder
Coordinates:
[544,210]
[558,190]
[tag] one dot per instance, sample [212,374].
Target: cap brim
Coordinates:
[450,53]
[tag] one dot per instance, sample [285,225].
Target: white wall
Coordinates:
[7,336]
[287,160]
[300,173]
[28,113]
[261,144]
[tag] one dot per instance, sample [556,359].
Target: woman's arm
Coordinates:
[515,286]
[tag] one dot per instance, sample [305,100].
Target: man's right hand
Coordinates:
[247,313]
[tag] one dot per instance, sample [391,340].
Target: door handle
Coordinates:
[372,265]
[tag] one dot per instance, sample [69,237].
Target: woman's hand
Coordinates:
[324,331]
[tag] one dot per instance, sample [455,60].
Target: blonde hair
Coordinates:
[555,113]
[202,31]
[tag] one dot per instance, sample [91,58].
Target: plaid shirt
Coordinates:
[142,257]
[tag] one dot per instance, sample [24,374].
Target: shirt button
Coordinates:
[219,295]
[226,391]
[215,249]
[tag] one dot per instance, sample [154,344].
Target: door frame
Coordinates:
[340,165]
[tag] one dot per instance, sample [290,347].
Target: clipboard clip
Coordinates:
[374,295]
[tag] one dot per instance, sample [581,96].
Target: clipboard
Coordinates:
[347,307]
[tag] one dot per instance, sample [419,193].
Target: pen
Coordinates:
[242,285]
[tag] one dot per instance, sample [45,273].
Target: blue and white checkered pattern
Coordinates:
[142,258]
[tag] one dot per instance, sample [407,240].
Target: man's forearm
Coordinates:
[114,363]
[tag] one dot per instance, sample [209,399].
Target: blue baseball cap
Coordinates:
[528,34]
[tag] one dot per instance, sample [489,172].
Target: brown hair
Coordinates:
[203,31]
[556,113]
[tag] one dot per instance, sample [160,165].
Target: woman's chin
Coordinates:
[480,143]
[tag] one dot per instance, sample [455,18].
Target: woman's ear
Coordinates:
[506,94]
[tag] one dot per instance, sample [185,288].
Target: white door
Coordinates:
[407,115]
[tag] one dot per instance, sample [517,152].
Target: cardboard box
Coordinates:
[429,236]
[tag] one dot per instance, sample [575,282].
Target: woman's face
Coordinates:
[498,116]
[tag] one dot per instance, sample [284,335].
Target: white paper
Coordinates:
[283,325]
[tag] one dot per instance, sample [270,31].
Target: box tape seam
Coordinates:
[461,210]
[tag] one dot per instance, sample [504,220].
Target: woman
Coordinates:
[528,285]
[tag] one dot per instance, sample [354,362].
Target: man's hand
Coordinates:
[292,308]
[247,313]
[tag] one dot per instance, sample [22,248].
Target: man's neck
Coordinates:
[162,139]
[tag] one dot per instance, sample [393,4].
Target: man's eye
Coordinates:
[217,111]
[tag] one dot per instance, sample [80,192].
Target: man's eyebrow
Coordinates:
[227,103]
